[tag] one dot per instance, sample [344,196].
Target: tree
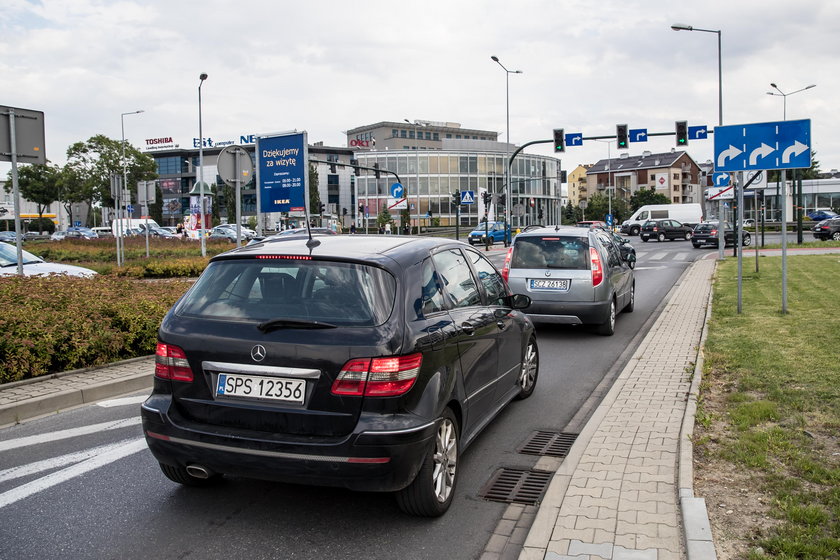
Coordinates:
[383,217]
[87,175]
[314,195]
[646,196]
[39,184]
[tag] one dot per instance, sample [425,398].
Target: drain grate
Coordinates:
[516,486]
[556,444]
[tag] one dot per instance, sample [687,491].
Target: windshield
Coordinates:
[336,293]
[8,256]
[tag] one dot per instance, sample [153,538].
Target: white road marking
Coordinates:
[64,434]
[100,460]
[658,256]
[681,256]
[56,462]
[650,267]
[122,402]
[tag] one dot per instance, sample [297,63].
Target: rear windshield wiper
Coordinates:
[281,323]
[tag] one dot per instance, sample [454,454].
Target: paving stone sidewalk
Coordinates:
[619,494]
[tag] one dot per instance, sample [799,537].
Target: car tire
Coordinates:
[660,237]
[688,236]
[608,328]
[492,241]
[181,476]
[529,370]
[631,305]
[697,245]
[747,241]
[835,236]
[430,493]
[644,239]
[634,230]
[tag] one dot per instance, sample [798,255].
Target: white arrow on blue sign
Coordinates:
[638,135]
[574,139]
[697,132]
[773,145]
[720,179]
[396,190]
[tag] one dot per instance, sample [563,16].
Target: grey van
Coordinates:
[572,275]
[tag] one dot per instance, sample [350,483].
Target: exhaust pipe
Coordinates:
[197,471]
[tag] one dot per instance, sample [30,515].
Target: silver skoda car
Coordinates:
[572,275]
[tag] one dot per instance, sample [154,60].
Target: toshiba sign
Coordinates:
[163,143]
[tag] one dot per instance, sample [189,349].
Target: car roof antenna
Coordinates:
[556,227]
[311,243]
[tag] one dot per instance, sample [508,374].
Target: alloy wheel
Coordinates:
[445,459]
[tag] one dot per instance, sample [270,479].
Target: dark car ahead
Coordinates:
[827,229]
[706,233]
[364,362]
[664,229]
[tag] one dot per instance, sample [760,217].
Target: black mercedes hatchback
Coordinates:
[368,363]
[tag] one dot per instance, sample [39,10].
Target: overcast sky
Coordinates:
[329,66]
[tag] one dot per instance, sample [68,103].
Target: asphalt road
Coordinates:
[114,502]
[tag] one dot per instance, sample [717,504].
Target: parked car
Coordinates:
[86,232]
[827,229]
[593,224]
[220,233]
[9,236]
[821,214]
[706,233]
[70,234]
[689,214]
[749,222]
[664,229]
[247,233]
[363,362]
[495,234]
[573,276]
[35,266]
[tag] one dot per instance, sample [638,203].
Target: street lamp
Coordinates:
[201,79]
[417,166]
[118,199]
[609,176]
[784,96]
[684,27]
[507,145]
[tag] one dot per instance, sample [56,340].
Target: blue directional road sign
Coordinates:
[638,135]
[773,145]
[609,219]
[397,190]
[720,179]
[467,197]
[574,139]
[697,132]
[129,208]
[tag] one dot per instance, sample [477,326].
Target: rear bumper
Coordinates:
[575,313]
[365,460]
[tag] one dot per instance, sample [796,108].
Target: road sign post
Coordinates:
[236,169]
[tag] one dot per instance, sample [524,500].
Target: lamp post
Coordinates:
[507,146]
[609,176]
[798,194]
[119,202]
[417,167]
[201,79]
[784,96]
[684,27]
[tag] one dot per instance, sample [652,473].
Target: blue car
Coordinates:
[495,232]
[822,214]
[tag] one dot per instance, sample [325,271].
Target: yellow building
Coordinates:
[577,184]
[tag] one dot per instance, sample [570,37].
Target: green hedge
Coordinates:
[58,323]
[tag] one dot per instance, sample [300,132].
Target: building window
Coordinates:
[394,132]
[428,135]
[448,135]
[676,176]
[403,134]
[435,136]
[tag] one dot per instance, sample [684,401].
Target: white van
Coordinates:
[690,214]
[127,224]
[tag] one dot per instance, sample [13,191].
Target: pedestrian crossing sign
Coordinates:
[467,197]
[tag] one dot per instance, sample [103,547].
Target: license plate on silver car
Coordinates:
[549,284]
[261,387]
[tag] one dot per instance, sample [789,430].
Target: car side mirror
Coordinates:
[519,301]
[630,258]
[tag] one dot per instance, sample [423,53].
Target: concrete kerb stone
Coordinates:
[73,394]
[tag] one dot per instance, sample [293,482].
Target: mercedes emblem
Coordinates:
[258,353]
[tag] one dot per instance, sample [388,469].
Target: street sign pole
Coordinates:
[16,192]
[784,240]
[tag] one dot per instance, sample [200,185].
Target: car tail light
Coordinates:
[377,377]
[655,228]
[506,266]
[596,266]
[713,232]
[171,363]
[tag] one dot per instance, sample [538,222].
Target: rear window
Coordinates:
[344,294]
[550,251]
[705,227]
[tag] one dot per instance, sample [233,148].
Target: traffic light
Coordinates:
[502,198]
[332,167]
[456,198]
[361,208]
[355,164]
[559,140]
[540,213]
[376,170]
[344,211]
[322,208]
[621,135]
[682,133]
[486,197]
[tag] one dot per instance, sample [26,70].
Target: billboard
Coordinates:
[283,172]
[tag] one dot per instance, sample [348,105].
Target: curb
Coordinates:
[28,409]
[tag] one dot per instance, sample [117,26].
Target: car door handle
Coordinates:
[467,328]
[500,324]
